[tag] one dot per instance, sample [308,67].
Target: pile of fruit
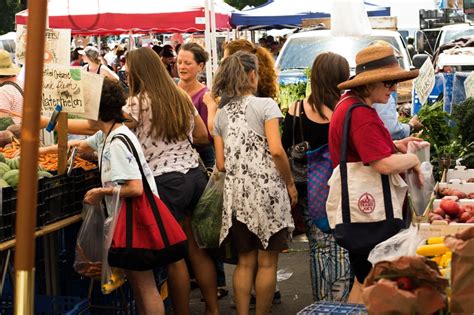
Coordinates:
[451,211]
[437,252]
[446,191]
[10,172]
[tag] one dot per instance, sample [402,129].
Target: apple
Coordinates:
[450,207]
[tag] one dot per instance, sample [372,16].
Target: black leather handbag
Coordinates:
[297,152]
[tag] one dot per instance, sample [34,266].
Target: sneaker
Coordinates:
[276,298]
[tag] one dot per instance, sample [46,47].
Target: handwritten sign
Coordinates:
[57,45]
[92,84]
[63,85]
[469,85]
[425,82]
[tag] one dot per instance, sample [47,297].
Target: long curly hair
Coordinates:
[171,108]
[267,76]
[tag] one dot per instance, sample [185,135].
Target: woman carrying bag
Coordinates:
[365,187]
[119,167]
[258,185]
[308,120]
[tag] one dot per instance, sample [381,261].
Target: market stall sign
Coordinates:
[57,46]
[425,82]
[76,90]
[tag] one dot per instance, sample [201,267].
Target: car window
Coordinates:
[455,34]
[8,45]
[299,53]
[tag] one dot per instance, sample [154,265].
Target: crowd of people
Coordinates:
[175,120]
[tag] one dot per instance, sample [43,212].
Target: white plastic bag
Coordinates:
[404,243]
[420,196]
[112,278]
[88,255]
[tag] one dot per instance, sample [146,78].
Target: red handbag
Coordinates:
[146,234]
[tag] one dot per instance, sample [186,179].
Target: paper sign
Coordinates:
[425,82]
[92,84]
[63,85]
[469,85]
[57,47]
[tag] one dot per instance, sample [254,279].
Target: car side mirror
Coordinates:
[420,41]
[419,60]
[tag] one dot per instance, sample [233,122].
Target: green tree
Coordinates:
[240,4]
[7,14]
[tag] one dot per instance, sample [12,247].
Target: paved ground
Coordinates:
[296,291]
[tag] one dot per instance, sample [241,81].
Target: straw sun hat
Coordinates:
[377,64]
[7,67]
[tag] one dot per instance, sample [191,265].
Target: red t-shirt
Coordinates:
[369,140]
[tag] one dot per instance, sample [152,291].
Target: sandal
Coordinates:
[222,292]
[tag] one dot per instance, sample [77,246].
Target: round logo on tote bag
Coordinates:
[366,203]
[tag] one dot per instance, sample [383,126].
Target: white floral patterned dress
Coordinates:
[254,192]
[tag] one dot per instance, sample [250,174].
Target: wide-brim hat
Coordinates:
[7,67]
[377,64]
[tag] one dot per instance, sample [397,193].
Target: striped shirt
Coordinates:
[11,99]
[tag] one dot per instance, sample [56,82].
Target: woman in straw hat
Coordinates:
[11,92]
[377,76]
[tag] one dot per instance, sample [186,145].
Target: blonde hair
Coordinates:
[267,77]
[171,108]
[232,78]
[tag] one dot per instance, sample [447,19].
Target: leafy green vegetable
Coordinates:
[463,115]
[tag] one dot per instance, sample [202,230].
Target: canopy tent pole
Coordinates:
[214,56]
[28,185]
[207,40]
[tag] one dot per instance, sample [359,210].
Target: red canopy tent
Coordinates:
[107,17]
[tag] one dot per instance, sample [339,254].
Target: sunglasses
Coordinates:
[390,84]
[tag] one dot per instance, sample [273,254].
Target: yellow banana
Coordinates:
[432,250]
[435,240]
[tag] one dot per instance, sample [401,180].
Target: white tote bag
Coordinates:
[364,207]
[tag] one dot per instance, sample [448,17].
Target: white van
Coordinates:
[7,42]
[301,49]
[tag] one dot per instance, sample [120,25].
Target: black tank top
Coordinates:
[98,69]
[316,134]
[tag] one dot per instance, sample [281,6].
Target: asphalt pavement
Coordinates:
[295,291]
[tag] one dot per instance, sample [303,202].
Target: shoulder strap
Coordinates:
[148,193]
[297,110]
[14,85]
[98,69]
[345,205]
[128,143]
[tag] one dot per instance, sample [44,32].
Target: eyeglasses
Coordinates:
[390,84]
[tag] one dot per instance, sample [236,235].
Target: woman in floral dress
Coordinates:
[259,189]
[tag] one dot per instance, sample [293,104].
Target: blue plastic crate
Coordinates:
[51,305]
[333,308]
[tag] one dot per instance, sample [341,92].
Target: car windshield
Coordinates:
[455,34]
[301,51]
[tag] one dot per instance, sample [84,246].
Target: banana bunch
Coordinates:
[438,252]
[116,279]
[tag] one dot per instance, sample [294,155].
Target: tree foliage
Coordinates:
[7,14]
[240,4]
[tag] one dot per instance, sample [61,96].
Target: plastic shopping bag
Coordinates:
[88,257]
[404,243]
[207,216]
[112,278]
[420,196]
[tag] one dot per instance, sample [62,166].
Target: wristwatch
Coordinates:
[411,128]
